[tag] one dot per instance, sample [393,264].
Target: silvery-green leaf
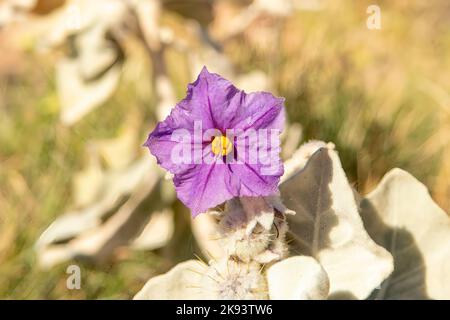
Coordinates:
[119,152]
[401,216]
[182,282]
[82,233]
[205,230]
[76,17]
[300,157]
[157,232]
[77,95]
[327,226]
[14,10]
[90,72]
[297,278]
[87,184]
[95,54]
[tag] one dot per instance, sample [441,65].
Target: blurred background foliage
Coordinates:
[381,96]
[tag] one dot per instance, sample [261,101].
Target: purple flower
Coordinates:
[220,143]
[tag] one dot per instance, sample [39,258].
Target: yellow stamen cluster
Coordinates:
[221,145]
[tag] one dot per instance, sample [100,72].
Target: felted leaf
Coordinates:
[88,182]
[119,152]
[77,95]
[327,226]
[301,156]
[401,216]
[205,230]
[157,233]
[182,282]
[88,75]
[297,278]
[83,233]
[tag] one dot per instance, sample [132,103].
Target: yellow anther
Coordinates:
[221,145]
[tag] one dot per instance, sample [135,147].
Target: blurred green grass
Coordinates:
[381,96]
[376,94]
[38,158]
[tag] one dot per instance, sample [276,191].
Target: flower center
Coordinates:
[221,145]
